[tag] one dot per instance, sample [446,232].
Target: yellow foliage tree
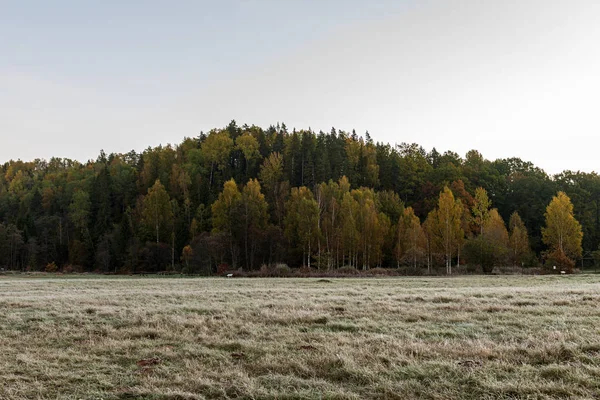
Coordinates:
[518,240]
[445,226]
[271,176]
[562,233]
[411,241]
[481,209]
[226,214]
[249,147]
[302,221]
[254,217]
[495,230]
[216,150]
[157,213]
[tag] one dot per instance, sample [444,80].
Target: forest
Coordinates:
[244,197]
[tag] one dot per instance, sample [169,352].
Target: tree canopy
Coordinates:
[244,196]
[562,233]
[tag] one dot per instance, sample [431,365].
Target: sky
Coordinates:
[511,78]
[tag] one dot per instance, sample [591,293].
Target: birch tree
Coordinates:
[562,233]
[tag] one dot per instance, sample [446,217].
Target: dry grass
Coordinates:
[435,338]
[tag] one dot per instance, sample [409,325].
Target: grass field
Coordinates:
[398,338]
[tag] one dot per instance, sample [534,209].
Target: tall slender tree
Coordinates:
[157,212]
[446,226]
[302,221]
[562,233]
[254,216]
[226,216]
[518,240]
[411,241]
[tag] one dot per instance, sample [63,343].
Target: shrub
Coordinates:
[222,268]
[559,260]
[51,267]
[282,270]
[264,270]
[380,271]
[277,270]
[72,269]
[305,271]
[347,270]
[485,253]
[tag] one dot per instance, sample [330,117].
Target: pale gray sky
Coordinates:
[508,78]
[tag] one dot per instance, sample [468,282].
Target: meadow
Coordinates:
[475,337]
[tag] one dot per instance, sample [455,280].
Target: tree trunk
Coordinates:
[246,239]
[309,252]
[173,251]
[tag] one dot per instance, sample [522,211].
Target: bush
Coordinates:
[381,271]
[72,269]
[222,268]
[484,252]
[410,271]
[533,271]
[155,257]
[305,271]
[185,270]
[277,270]
[282,270]
[559,260]
[347,270]
[51,267]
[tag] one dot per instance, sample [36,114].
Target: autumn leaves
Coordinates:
[482,236]
[562,234]
[338,226]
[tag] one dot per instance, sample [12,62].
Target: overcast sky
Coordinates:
[508,78]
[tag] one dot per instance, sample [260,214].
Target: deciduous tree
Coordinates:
[226,215]
[254,217]
[302,221]
[157,212]
[216,150]
[481,209]
[411,241]
[518,240]
[446,228]
[562,233]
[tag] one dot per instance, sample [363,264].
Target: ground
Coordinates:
[397,338]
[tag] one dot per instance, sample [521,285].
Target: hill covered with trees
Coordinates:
[244,197]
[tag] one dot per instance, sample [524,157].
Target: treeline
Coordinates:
[243,197]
